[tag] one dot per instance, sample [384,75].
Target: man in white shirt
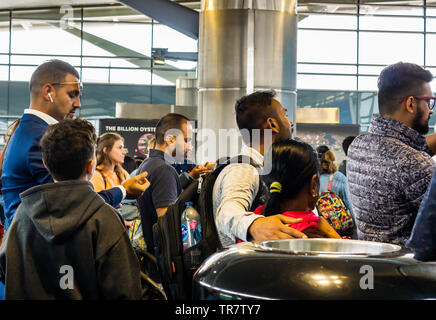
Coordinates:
[236,187]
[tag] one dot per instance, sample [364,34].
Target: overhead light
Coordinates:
[158,55]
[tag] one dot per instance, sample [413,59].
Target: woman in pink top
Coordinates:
[294,187]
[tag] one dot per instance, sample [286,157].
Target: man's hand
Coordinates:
[136,185]
[274,227]
[198,170]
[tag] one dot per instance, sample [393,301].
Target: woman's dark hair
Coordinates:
[293,165]
[320,150]
[346,143]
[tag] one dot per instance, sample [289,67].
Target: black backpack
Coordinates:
[175,268]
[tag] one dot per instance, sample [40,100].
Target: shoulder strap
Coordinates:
[261,192]
[330,183]
[104,178]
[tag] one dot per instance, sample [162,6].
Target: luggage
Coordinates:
[175,266]
[332,208]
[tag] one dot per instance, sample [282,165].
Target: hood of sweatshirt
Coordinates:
[59,209]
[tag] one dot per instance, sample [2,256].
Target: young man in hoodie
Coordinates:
[65,242]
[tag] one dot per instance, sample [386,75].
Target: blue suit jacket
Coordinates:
[23,167]
[423,238]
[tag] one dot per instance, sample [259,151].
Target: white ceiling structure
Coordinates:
[23,4]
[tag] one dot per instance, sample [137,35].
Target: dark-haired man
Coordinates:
[55,91]
[345,145]
[173,143]
[65,242]
[235,193]
[390,167]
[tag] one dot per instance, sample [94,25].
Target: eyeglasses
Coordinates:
[431,101]
[79,85]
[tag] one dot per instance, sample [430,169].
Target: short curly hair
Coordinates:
[67,147]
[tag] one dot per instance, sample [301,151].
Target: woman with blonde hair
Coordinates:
[110,154]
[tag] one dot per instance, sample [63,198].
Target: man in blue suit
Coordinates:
[55,91]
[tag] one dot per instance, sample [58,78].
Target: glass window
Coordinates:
[388,48]
[4,70]
[19,73]
[3,92]
[101,75]
[130,76]
[326,46]
[431,24]
[174,41]
[371,70]
[346,101]
[36,60]
[116,62]
[330,21]
[430,11]
[368,105]
[325,68]
[433,83]
[4,58]
[43,31]
[4,32]
[430,47]
[368,83]
[117,39]
[326,82]
[19,97]
[391,23]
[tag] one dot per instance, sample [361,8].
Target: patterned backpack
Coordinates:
[331,207]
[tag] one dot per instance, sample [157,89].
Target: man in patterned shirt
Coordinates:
[390,167]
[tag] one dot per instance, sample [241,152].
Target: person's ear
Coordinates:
[410,104]
[314,186]
[89,168]
[271,123]
[170,139]
[43,162]
[47,93]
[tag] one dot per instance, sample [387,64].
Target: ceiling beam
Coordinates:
[172,14]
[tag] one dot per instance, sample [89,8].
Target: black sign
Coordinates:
[138,134]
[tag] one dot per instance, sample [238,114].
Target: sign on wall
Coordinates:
[138,134]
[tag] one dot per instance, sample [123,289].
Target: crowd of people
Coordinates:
[62,185]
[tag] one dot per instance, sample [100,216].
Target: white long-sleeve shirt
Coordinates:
[233,194]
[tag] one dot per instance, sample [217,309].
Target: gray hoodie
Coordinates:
[65,242]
